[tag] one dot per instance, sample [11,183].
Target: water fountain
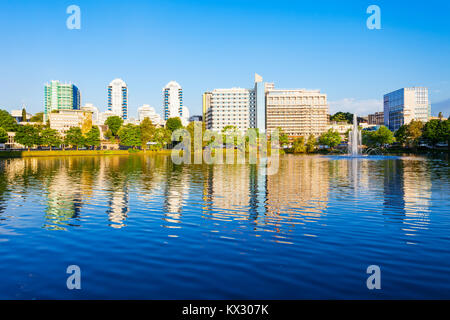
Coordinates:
[354,138]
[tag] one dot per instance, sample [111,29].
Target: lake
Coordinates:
[141,227]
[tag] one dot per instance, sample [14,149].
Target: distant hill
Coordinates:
[443,106]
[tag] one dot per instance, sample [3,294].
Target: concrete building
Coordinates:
[230,107]
[17,114]
[341,127]
[60,96]
[195,118]
[118,98]
[404,105]
[376,118]
[173,103]
[63,120]
[298,112]
[145,111]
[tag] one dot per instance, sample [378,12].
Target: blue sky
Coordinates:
[219,44]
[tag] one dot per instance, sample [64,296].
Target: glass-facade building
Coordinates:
[404,105]
[60,96]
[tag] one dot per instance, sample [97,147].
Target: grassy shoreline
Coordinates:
[64,153]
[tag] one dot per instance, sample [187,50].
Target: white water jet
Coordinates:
[354,138]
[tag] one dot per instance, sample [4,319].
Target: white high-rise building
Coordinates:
[118,98]
[404,105]
[146,111]
[173,102]
[230,107]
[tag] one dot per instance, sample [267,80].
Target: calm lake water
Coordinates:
[141,227]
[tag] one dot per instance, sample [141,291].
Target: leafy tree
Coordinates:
[130,135]
[147,131]
[342,117]
[330,138]
[114,124]
[378,138]
[414,132]
[74,137]
[401,135]
[109,135]
[162,137]
[299,145]
[3,135]
[7,121]
[440,115]
[93,137]
[38,117]
[311,144]
[283,137]
[436,130]
[50,138]
[28,136]
[173,124]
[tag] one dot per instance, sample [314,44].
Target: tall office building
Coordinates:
[298,112]
[118,98]
[173,102]
[60,96]
[404,105]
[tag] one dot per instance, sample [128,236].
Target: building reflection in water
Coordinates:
[299,193]
[407,194]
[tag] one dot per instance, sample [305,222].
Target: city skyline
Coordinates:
[353,64]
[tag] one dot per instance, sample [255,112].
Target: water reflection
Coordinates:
[301,191]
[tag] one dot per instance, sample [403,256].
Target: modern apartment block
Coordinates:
[230,107]
[242,108]
[60,96]
[63,120]
[118,98]
[173,102]
[404,105]
[298,112]
[376,118]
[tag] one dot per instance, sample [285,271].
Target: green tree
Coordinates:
[311,144]
[93,137]
[38,117]
[440,115]
[283,137]
[342,117]
[196,130]
[28,136]
[173,124]
[7,121]
[299,145]
[24,115]
[114,124]
[401,135]
[330,138]
[130,135]
[50,138]
[378,138]
[162,137]
[436,131]
[74,137]
[147,131]
[3,135]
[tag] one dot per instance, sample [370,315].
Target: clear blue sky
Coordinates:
[221,43]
